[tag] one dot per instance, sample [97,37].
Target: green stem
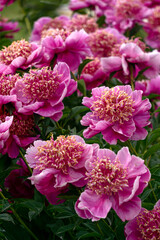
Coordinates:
[99,229]
[26,19]
[110,229]
[19,218]
[131,148]
[24,159]
[150,185]
[131,76]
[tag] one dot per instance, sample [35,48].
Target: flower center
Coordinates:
[91,67]
[22,126]
[154,19]
[106,177]
[101,43]
[127,9]
[20,48]
[55,32]
[54,23]
[148,224]
[41,84]
[113,106]
[83,21]
[60,154]
[7,82]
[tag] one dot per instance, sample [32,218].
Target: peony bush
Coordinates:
[79,120]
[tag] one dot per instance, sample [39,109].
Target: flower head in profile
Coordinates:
[45,23]
[41,91]
[113,181]
[69,47]
[8,27]
[118,113]
[145,225]
[56,163]
[102,41]
[20,54]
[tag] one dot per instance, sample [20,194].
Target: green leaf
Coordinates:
[64,229]
[4,205]
[82,86]
[145,194]
[152,150]
[158,110]
[35,208]
[82,65]
[85,235]
[6,217]
[75,111]
[101,21]
[153,136]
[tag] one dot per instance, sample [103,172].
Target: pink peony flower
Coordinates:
[118,113]
[4,130]
[68,47]
[114,181]
[45,23]
[149,86]
[78,4]
[79,21]
[20,132]
[56,163]
[145,225]
[124,14]
[102,41]
[130,53]
[15,183]
[93,74]
[152,28]
[41,91]
[10,27]
[151,3]
[20,54]
[7,83]
[4,3]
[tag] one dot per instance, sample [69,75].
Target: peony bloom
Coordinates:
[131,53]
[45,23]
[69,47]
[78,4]
[102,41]
[145,225]
[118,113]
[20,132]
[124,14]
[113,181]
[41,91]
[93,74]
[79,21]
[10,27]
[15,183]
[151,3]
[7,83]
[56,163]
[20,54]
[4,3]
[149,86]
[152,28]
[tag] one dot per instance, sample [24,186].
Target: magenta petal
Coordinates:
[98,206]
[128,210]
